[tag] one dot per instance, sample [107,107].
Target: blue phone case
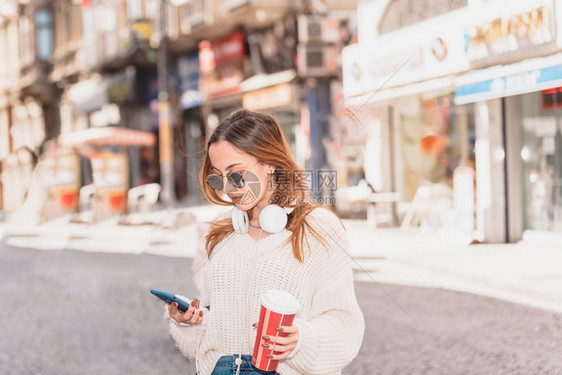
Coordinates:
[170,298]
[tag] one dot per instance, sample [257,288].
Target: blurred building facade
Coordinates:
[79,89]
[28,99]
[253,54]
[473,97]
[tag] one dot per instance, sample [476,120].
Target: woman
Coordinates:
[307,257]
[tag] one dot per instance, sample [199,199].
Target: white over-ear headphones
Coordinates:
[273,219]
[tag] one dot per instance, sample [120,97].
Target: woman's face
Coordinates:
[226,158]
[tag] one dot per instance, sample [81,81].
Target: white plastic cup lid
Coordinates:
[280,302]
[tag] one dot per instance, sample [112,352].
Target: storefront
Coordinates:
[480,91]
[539,120]
[274,87]
[400,110]
[113,171]
[516,72]
[223,67]
[276,94]
[192,132]
[525,105]
[22,131]
[226,64]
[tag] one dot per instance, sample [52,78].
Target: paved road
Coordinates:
[67,312]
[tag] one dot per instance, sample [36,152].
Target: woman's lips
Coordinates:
[236,199]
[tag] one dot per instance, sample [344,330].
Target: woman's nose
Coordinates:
[229,187]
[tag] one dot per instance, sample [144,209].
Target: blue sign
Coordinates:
[513,84]
[188,72]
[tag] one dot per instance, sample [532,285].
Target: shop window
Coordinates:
[552,99]
[540,135]
[435,141]
[44,33]
[402,13]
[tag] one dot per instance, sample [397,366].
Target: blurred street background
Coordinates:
[433,128]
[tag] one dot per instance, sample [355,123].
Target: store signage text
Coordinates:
[221,64]
[516,81]
[509,33]
[223,50]
[513,84]
[387,65]
[142,29]
[269,97]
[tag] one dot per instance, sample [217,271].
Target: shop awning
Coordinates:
[108,136]
[433,87]
[260,81]
[505,80]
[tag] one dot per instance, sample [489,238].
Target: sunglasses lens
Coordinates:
[215,181]
[236,179]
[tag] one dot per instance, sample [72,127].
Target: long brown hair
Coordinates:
[260,136]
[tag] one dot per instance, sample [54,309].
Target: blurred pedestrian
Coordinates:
[306,256]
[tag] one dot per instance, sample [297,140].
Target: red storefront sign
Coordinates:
[212,54]
[221,65]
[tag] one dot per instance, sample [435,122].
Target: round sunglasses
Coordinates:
[236,179]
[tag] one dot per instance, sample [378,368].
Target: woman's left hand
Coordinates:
[283,346]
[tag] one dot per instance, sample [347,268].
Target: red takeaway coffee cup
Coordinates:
[278,308]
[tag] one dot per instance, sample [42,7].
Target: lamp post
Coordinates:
[164,117]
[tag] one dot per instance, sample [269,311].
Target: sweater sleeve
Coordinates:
[332,336]
[188,336]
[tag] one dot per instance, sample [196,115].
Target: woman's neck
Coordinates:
[255,222]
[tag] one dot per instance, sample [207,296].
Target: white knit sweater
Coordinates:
[241,269]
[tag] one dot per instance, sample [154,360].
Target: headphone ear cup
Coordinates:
[240,221]
[273,218]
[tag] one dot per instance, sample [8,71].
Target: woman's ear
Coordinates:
[270,168]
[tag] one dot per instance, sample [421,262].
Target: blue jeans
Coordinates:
[226,366]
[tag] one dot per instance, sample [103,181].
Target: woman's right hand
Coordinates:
[193,315]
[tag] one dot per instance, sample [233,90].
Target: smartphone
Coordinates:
[170,298]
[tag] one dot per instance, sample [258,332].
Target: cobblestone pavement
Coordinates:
[66,312]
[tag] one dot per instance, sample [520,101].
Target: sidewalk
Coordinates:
[524,272]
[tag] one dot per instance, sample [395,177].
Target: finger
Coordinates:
[183,317]
[195,316]
[279,347]
[288,329]
[284,348]
[177,316]
[281,340]
[188,314]
[281,356]
[196,303]
[172,309]
[200,320]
